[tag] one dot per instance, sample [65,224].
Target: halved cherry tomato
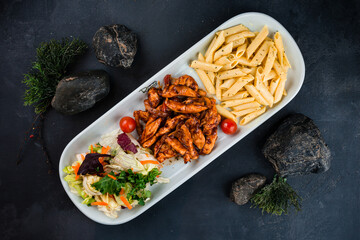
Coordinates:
[228,126]
[127,124]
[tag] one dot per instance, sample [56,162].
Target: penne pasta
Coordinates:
[217,44]
[273,85]
[229,66]
[206,81]
[270,60]
[251,116]
[279,46]
[261,53]
[201,57]
[286,62]
[235,29]
[271,75]
[210,46]
[211,76]
[225,113]
[263,90]
[257,41]
[239,42]
[279,90]
[234,73]
[227,83]
[225,50]
[232,103]
[205,66]
[255,93]
[239,84]
[218,89]
[225,59]
[253,104]
[245,62]
[240,50]
[239,95]
[241,113]
[241,35]
[259,75]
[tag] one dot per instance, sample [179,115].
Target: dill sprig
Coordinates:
[52,60]
[277,197]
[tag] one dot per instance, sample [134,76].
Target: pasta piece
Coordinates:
[240,50]
[271,75]
[279,90]
[239,42]
[218,42]
[285,93]
[259,75]
[242,35]
[201,58]
[206,81]
[246,70]
[286,63]
[225,59]
[234,73]
[225,50]
[270,60]
[245,62]
[232,103]
[257,41]
[211,76]
[241,113]
[279,46]
[263,90]
[235,29]
[229,66]
[218,89]
[210,46]
[253,104]
[251,116]
[205,66]
[255,93]
[239,84]
[227,83]
[261,53]
[239,95]
[226,113]
[273,85]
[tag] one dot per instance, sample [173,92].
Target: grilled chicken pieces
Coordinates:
[179,120]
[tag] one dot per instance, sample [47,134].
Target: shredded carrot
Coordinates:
[82,157]
[111,176]
[91,149]
[122,191]
[76,169]
[99,203]
[149,161]
[123,199]
[103,151]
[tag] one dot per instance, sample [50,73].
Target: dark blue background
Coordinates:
[34,204]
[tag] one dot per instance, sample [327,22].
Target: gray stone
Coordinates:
[115,45]
[80,91]
[244,188]
[297,148]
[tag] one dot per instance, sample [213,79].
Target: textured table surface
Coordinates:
[34,204]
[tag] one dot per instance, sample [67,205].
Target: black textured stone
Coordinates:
[243,188]
[80,91]
[297,147]
[115,45]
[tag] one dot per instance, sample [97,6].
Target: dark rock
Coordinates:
[243,188]
[115,45]
[297,148]
[80,91]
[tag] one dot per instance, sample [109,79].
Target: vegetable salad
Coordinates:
[114,174]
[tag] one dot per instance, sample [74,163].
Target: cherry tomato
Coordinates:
[228,126]
[127,124]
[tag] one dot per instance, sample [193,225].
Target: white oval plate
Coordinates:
[180,172]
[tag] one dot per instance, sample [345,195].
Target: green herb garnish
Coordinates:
[276,197]
[134,183]
[52,60]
